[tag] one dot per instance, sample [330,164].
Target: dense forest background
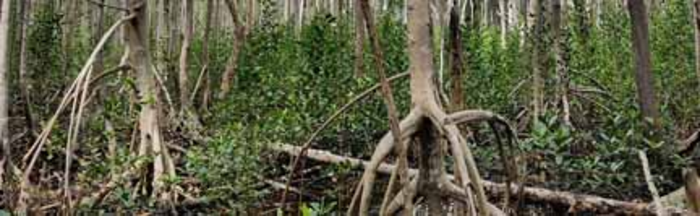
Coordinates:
[184,105]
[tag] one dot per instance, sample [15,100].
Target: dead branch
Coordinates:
[578,202]
[650,183]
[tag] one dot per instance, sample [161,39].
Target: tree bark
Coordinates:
[643,73]
[696,19]
[503,9]
[562,76]
[359,40]
[24,82]
[457,59]
[137,32]
[205,54]
[187,15]
[239,37]
[535,24]
[4,69]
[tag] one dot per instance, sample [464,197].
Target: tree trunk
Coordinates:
[70,21]
[562,75]
[4,69]
[536,27]
[643,75]
[696,18]
[205,54]
[503,9]
[239,37]
[300,13]
[187,9]
[137,32]
[173,39]
[359,40]
[457,59]
[24,82]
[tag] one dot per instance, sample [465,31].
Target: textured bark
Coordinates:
[457,67]
[173,39]
[562,76]
[137,32]
[643,74]
[431,168]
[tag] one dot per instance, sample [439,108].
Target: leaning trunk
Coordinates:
[239,37]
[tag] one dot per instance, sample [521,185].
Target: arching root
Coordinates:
[408,126]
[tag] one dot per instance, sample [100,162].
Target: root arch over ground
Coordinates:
[431,129]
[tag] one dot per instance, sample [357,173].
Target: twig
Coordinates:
[650,183]
[204,71]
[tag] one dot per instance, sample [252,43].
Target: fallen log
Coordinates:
[575,202]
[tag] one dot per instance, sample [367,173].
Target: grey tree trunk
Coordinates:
[536,27]
[24,82]
[562,76]
[205,53]
[137,32]
[4,72]
[359,40]
[187,16]
[643,74]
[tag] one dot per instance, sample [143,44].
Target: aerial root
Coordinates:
[408,193]
[409,126]
[469,191]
